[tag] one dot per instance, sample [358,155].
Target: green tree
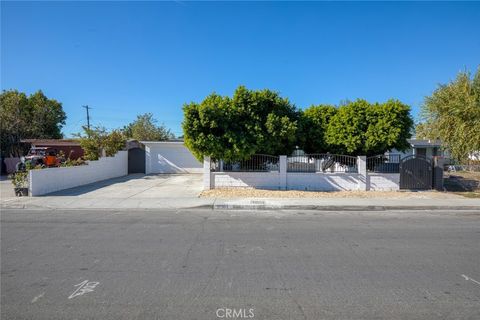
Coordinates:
[346,130]
[92,142]
[97,138]
[363,128]
[212,128]
[390,125]
[145,128]
[452,114]
[235,128]
[48,117]
[114,142]
[267,120]
[314,124]
[14,117]
[24,117]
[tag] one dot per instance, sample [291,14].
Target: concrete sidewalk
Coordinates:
[347,204]
[75,202]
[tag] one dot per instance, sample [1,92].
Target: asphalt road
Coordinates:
[198,264]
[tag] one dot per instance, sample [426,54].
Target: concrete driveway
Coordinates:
[6,188]
[136,186]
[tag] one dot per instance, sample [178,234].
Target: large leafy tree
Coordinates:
[389,126]
[268,121]
[48,117]
[145,128]
[363,128]
[213,128]
[452,114]
[314,123]
[22,117]
[94,140]
[235,128]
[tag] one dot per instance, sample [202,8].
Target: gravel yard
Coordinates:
[256,193]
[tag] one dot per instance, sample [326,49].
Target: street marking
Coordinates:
[83,287]
[38,297]
[467,278]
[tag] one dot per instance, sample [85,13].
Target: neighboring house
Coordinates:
[70,147]
[423,147]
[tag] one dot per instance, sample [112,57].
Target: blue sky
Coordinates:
[126,58]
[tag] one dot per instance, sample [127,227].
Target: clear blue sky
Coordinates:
[126,58]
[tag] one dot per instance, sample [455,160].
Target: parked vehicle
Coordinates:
[39,156]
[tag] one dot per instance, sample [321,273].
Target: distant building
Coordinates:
[423,147]
[70,147]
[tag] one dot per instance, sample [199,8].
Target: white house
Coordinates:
[423,147]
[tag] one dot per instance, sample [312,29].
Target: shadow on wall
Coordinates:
[323,182]
[168,166]
[294,181]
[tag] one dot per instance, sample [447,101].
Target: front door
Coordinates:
[136,160]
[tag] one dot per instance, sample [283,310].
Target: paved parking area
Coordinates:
[140,186]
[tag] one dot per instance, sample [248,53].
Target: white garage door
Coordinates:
[170,157]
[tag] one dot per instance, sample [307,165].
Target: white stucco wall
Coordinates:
[260,180]
[384,181]
[323,181]
[44,181]
[170,157]
[305,181]
[294,180]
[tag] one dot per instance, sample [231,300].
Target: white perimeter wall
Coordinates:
[323,181]
[305,181]
[260,180]
[384,181]
[170,157]
[44,181]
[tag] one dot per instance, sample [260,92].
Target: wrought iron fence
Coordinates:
[384,163]
[453,165]
[257,163]
[322,162]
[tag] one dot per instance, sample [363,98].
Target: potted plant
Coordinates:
[20,183]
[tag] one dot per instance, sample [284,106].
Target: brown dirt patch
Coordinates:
[464,183]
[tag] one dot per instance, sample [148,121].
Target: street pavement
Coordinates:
[205,264]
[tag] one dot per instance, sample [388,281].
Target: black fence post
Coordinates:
[437,182]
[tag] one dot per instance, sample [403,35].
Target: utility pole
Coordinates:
[88,116]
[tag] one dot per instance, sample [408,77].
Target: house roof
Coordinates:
[424,143]
[173,141]
[52,142]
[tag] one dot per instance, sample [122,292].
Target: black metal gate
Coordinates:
[416,173]
[136,160]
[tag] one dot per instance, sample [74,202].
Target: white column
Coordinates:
[363,183]
[206,173]
[283,172]
[30,184]
[148,160]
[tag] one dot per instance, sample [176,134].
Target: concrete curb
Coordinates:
[247,204]
[261,208]
[340,208]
